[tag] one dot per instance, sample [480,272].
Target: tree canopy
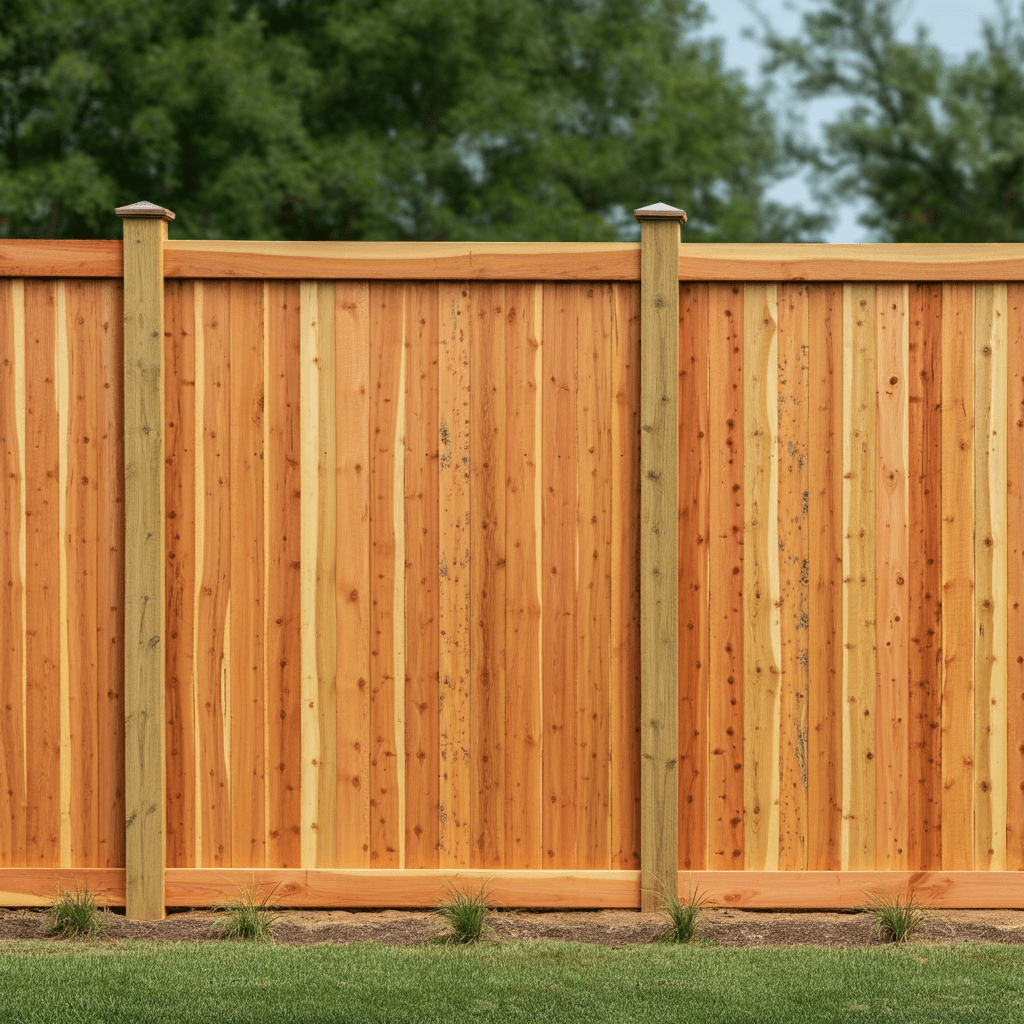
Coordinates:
[384,119]
[933,148]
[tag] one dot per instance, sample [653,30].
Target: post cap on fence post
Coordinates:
[660,211]
[145,209]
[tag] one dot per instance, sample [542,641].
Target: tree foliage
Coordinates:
[934,148]
[386,119]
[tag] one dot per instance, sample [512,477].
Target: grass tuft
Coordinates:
[466,913]
[683,917]
[74,913]
[249,918]
[895,921]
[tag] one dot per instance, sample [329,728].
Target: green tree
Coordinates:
[933,148]
[386,119]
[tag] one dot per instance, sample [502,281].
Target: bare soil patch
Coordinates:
[724,927]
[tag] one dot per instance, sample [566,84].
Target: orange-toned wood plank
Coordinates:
[523,450]
[892,548]
[397,261]
[593,608]
[421,556]
[825,565]
[42,582]
[325,618]
[111,582]
[80,437]
[1015,576]
[456,695]
[180,474]
[761,625]
[625,570]
[694,474]
[352,574]
[924,763]
[284,679]
[558,600]
[487,574]
[53,258]
[213,567]
[794,578]
[958,577]
[37,886]
[245,341]
[990,594]
[859,665]
[387,576]
[13,749]
[726,555]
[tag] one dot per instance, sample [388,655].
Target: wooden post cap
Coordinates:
[144,209]
[660,211]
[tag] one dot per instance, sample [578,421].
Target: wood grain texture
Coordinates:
[892,551]
[659,560]
[387,573]
[145,749]
[761,597]
[859,664]
[693,576]
[990,593]
[180,480]
[725,598]
[825,567]
[422,622]
[625,569]
[1015,577]
[57,258]
[455,701]
[352,572]
[523,451]
[62,374]
[284,552]
[794,578]
[958,626]
[558,597]
[924,765]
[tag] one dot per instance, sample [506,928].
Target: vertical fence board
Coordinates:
[924,775]
[859,665]
[990,594]
[523,448]
[694,474]
[958,577]
[726,504]
[761,625]
[558,601]
[892,534]
[794,578]
[421,513]
[625,569]
[284,553]
[487,574]
[179,490]
[825,563]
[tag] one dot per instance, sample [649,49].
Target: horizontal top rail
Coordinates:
[521,261]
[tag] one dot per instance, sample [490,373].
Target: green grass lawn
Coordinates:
[55,982]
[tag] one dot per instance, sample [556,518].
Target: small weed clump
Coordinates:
[248,919]
[682,917]
[895,921]
[467,915]
[74,914]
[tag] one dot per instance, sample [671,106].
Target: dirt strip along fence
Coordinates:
[401,551]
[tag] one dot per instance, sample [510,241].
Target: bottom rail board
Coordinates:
[754,890]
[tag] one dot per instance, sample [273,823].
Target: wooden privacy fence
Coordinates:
[397,566]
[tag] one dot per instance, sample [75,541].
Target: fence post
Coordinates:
[145,231]
[659,552]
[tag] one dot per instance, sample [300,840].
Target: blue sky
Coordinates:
[953,24]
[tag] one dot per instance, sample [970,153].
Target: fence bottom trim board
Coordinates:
[752,890]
